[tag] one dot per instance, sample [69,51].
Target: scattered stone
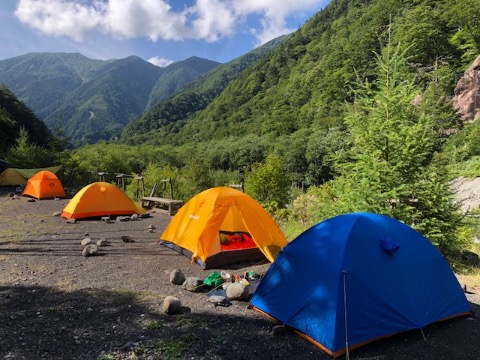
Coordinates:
[106,219]
[177,277]
[86,241]
[71,221]
[127,239]
[237,291]
[219,300]
[193,284]
[172,305]
[144,216]
[57,213]
[31,200]
[134,217]
[151,226]
[151,230]
[123,218]
[90,250]
[87,234]
[102,242]
[279,330]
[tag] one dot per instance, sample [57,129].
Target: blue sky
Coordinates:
[159,31]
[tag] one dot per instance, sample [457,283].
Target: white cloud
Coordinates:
[153,19]
[213,19]
[273,15]
[208,20]
[58,17]
[159,61]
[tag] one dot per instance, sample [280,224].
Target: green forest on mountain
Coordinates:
[324,124]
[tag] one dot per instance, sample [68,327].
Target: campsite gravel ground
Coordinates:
[57,304]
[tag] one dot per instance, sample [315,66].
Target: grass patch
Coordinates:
[37,269]
[57,308]
[67,285]
[129,297]
[154,325]
[196,323]
[165,349]
[174,348]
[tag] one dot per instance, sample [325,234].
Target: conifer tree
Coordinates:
[390,167]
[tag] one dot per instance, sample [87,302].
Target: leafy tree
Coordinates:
[321,145]
[195,177]
[268,183]
[423,34]
[465,16]
[27,155]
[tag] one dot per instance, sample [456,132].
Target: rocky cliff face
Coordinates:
[467,93]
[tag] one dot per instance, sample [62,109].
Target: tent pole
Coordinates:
[344,273]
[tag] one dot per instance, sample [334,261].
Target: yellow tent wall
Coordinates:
[11,177]
[44,184]
[14,176]
[100,199]
[197,224]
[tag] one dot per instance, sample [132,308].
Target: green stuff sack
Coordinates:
[214,280]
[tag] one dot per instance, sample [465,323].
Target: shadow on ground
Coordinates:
[40,322]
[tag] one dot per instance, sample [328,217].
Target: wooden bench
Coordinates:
[158,202]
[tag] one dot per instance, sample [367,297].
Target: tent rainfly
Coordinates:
[223,226]
[358,277]
[100,199]
[44,184]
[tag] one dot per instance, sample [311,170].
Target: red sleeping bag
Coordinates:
[239,241]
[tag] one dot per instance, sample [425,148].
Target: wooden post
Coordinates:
[238,186]
[139,179]
[167,183]
[120,181]
[101,175]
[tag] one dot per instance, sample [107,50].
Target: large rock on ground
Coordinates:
[177,277]
[172,305]
[193,284]
[237,291]
[90,250]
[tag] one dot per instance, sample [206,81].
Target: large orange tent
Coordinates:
[197,228]
[100,199]
[44,184]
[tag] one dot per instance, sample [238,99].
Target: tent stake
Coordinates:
[423,334]
[347,354]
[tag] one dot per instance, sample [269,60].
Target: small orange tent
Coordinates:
[199,226]
[100,199]
[44,184]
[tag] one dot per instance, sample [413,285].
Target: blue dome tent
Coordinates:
[356,278]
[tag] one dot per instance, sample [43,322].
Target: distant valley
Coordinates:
[90,100]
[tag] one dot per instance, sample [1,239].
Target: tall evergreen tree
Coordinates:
[391,168]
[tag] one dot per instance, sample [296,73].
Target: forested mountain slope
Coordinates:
[293,100]
[90,100]
[178,75]
[167,117]
[307,80]
[14,115]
